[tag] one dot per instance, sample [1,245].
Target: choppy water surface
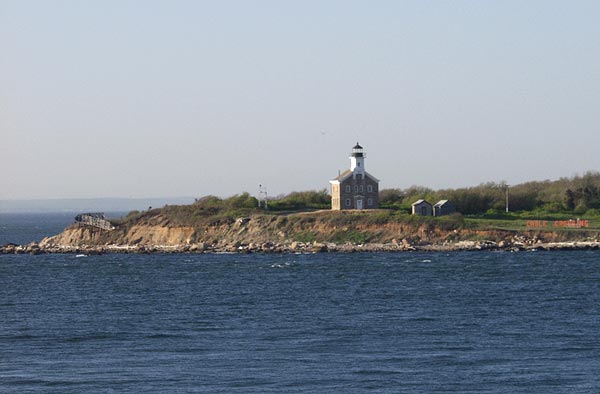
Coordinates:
[356,323]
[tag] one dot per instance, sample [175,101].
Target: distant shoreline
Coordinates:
[70,205]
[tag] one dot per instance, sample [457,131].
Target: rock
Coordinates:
[486,245]
[319,247]
[331,247]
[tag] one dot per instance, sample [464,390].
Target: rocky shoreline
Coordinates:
[303,247]
[307,232]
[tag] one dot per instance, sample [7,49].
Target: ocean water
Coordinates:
[324,323]
[23,228]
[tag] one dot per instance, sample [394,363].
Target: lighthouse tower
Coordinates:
[357,160]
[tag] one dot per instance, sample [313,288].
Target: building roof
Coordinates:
[441,202]
[357,146]
[372,177]
[421,201]
[343,175]
[348,173]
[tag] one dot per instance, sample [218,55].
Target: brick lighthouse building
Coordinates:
[355,188]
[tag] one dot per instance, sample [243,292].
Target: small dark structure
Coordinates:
[443,207]
[422,208]
[95,219]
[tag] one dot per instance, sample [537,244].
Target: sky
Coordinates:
[120,98]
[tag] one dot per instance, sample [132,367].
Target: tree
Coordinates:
[569,200]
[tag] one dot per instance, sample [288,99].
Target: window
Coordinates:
[347,202]
[347,188]
[369,202]
[362,188]
[355,188]
[370,188]
[358,164]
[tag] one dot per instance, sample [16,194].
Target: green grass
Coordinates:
[496,224]
[356,237]
[305,236]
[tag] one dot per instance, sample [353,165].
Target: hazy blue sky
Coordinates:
[170,98]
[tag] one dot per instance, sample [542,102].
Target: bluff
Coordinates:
[167,230]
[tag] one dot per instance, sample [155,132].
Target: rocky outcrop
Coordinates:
[294,247]
[135,235]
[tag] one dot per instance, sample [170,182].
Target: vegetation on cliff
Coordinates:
[212,210]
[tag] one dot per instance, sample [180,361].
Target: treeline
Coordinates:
[579,195]
[212,209]
[295,201]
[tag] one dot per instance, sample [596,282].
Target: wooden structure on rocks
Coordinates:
[96,219]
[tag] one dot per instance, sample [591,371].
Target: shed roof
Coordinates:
[421,201]
[441,202]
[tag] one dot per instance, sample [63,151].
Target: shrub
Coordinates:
[296,201]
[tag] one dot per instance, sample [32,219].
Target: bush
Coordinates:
[592,213]
[297,201]
[581,208]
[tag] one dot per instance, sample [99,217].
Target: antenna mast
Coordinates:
[262,196]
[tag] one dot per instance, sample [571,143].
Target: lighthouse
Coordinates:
[357,159]
[355,188]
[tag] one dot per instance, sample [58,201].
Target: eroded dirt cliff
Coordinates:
[316,227]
